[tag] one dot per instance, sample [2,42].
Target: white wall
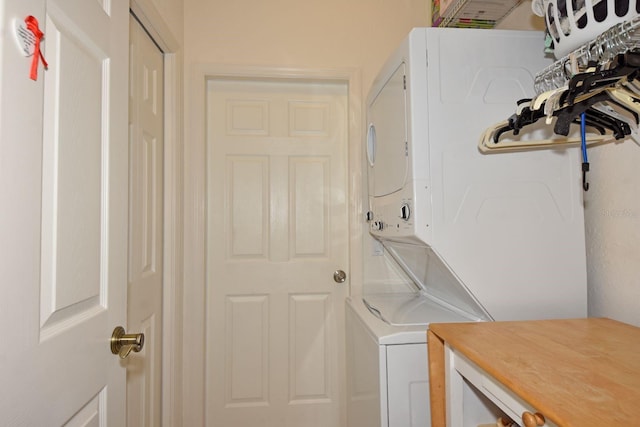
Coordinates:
[521,18]
[172,13]
[312,34]
[612,221]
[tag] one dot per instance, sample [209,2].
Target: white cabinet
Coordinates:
[364,358]
[387,383]
[408,385]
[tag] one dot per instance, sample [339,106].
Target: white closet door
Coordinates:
[63,186]
[146,137]
[277,231]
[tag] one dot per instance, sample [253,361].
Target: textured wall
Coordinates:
[612,221]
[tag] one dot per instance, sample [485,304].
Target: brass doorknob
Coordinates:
[339,276]
[122,344]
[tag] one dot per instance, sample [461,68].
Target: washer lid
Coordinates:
[411,309]
[436,280]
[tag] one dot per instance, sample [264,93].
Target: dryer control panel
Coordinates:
[394,220]
[394,217]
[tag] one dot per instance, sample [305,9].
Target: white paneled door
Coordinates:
[277,231]
[144,311]
[63,221]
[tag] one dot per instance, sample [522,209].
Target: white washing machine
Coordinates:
[478,237]
[388,382]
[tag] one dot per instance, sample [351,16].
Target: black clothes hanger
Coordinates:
[595,118]
[517,121]
[625,65]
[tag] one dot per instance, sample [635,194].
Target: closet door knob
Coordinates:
[339,276]
[123,344]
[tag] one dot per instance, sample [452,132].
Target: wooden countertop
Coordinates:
[578,373]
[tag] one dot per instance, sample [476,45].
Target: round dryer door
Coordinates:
[387,136]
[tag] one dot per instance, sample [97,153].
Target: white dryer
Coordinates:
[480,237]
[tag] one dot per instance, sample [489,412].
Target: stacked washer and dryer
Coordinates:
[476,237]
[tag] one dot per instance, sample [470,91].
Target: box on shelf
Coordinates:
[470,13]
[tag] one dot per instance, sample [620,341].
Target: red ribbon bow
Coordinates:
[32,25]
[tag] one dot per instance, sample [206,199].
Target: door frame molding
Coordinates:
[195,206]
[152,21]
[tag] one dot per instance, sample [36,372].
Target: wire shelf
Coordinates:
[618,39]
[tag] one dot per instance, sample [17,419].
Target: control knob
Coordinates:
[405,212]
[377,225]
